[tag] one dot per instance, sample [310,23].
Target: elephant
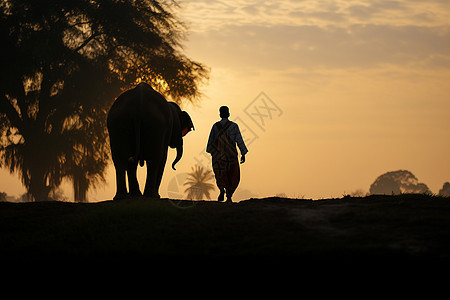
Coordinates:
[142,124]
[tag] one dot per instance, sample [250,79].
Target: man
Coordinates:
[222,142]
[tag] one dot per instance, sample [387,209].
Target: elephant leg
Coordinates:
[155,171]
[133,184]
[159,174]
[149,190]
[121,191]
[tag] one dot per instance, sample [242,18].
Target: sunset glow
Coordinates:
[328,94]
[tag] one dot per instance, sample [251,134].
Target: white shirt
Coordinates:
[233,133]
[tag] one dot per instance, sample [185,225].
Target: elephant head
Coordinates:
[182,124]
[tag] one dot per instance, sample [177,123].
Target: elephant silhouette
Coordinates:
[142,124]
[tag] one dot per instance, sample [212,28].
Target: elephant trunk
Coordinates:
[179,155]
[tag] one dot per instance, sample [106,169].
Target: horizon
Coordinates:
[329,95]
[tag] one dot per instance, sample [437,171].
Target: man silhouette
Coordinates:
[222,141]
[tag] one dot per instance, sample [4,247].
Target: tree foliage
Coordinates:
[63,63]
[445,191]
[398,182]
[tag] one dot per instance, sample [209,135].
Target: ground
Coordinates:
[404,227]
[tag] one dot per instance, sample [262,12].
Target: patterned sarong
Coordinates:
[227,174]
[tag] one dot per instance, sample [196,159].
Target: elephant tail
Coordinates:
[137,131]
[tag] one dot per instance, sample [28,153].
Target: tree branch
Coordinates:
[11,113]
[44,95]
[90,38]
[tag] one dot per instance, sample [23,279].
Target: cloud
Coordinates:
[283,34]
[359,46]
[204,15]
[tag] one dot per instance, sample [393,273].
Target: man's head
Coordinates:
[224,112]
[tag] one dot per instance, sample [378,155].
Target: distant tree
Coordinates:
[63,63]
[198,183]
[281,195]
[445,191]
[25,197]
[3,196]
[397,182]
[358,193]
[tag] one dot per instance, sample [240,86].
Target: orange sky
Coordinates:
[357,88]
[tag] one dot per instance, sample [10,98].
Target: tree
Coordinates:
[198,185]
[398,182]
[445,191]
[63,63]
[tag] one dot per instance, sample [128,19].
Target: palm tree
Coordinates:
[199,187]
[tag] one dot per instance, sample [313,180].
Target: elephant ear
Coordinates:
[186,123]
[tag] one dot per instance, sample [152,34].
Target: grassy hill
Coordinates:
[374,227]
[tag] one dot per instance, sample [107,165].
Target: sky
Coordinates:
[328,94]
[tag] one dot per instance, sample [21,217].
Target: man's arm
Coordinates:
[240,143]
[211,139]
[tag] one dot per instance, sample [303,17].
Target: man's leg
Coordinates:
[219,174]
[233,178]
